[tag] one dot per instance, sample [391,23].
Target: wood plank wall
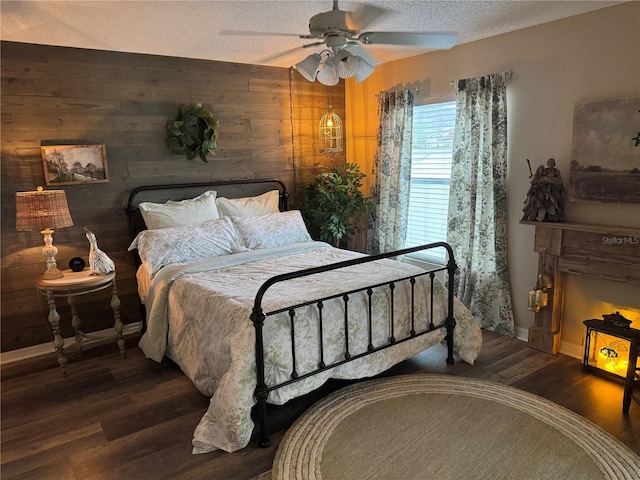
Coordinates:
[56,95]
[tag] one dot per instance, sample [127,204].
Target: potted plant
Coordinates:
[333,205]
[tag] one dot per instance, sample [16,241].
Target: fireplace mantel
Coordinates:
[599,251]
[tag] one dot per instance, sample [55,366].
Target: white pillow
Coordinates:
[186,244]
[271,230]
[185,212]
[250,206]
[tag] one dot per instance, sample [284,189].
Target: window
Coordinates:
[432,147]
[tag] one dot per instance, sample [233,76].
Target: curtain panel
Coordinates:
[387,220]
[477,221]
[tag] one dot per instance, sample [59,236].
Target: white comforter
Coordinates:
[198,315]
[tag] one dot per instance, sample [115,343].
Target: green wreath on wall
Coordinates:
[193,133]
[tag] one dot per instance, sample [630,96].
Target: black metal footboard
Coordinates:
[258,317]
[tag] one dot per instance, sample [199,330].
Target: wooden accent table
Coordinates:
[72,285]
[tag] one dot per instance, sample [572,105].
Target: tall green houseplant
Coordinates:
[333,205]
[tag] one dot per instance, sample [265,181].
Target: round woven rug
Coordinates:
[427,426]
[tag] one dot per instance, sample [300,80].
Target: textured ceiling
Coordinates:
[211,29]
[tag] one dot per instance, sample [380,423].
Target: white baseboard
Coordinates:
[522,333]
[569,349]
[47,348]
[572,350]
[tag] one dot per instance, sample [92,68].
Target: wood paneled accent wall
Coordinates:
[56,95]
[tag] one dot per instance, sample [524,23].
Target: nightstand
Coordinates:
[71,286]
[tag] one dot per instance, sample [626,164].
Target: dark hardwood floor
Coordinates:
[133,418]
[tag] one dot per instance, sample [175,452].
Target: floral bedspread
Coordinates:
[198,315]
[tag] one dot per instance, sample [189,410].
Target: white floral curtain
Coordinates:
[387,222]
[477,224]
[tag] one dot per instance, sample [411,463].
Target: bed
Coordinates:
[253,310]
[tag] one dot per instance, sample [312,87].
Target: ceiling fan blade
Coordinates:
[363,16]
[259,34]
[435,40]
[357,50]
[314,44]
[278,55]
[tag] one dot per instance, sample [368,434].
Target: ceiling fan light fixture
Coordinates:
[340,31]
[308,67]
[327,74]
[346,64]
[364,70]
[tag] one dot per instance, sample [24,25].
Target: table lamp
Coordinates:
[43,210]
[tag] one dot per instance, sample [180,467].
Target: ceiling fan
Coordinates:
[341,32]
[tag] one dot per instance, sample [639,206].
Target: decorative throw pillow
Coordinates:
[250,206]
[271,230]
[185,212]
[186,244]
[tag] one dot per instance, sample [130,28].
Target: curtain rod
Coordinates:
[415,89]
[509,74]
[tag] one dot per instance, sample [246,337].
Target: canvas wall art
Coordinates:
[605,152]
[74,164]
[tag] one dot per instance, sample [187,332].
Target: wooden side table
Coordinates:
[71,286]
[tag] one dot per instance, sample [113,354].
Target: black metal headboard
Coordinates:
[132,210]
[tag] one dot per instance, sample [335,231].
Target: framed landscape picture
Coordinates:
[74,164]
[605,152]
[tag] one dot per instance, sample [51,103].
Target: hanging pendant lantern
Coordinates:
[330,132]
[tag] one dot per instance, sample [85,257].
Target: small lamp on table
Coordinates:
[44,210]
